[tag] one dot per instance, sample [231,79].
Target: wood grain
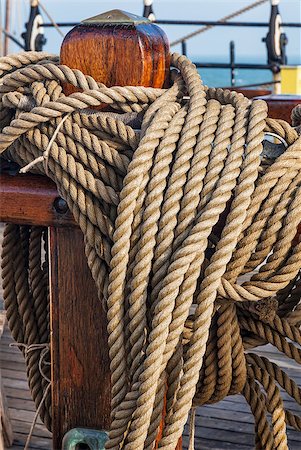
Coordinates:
[80,360]
[224,425]
[30,199]
[118,55]
[281,106]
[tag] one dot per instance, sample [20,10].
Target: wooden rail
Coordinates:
[32,200]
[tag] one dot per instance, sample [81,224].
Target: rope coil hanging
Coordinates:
[174,215]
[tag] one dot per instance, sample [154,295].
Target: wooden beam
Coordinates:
[281,106]
[31,200]
[79,350]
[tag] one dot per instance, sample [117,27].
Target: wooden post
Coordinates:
[80,360]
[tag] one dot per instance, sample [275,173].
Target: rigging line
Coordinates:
[51,19]
[7,26]
[18,16]
[224,19]
[12,38]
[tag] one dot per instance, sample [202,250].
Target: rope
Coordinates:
[224,19]
[51,19]
[46,153]
[177,217]
[296,118]
[45,350]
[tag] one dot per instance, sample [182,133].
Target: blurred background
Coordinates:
[211,46]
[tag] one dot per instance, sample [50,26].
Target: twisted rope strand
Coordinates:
[178,207]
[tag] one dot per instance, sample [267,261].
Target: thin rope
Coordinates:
[51,19]
[192,428]
[45,350]
[224,19]
[27,443]
[45,157]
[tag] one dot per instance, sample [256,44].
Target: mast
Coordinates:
[7,26]
[148,11]
[33,36]
[276,41]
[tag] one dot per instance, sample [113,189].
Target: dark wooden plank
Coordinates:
[230,438]
[17,384]
[14,374]
[208,442]
[223,413]
[21,394]
[230,416]
[227,406]
[80,361]
[17,446]
[10,350]
[35,442]
[232,401]
[225,436]
[6,431]
[21,403]
[235,427]
[12,365]
[280,106]
[23,415]
[250,93]
[211,443]
[29,199]
[39,430]
[288,403]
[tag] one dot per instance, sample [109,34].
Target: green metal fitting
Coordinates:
[78,437]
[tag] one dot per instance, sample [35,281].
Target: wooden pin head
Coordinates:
[118,49]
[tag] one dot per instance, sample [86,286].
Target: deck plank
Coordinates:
[20,404]
[227,425]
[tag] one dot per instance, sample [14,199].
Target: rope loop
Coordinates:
[191,237]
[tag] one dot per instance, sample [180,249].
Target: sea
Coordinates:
[222,77]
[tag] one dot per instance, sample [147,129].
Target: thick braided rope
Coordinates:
[25,295]
[296,117]
[173,214]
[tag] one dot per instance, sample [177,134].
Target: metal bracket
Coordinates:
[271,150]
[34,38]
[78,437]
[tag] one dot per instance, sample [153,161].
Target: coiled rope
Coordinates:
[173,216]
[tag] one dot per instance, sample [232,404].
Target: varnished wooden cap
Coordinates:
[118,48]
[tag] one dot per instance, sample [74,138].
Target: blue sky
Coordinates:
[212,45]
